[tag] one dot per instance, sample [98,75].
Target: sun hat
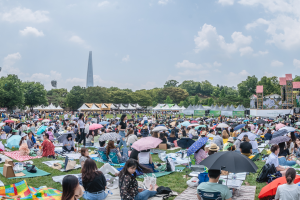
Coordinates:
[230,139]
[23,135]
[203,133]
[213,147]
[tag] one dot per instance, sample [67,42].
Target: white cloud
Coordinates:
[103,3]
[31,31]
[218,71]
[256,23]
[109,83]
[296,63]
[226,2]
[25,15]
[8,63]
[149,85]
[171,77]
[261,53]
[126,58]
[194,72]
[76,81]
[163,2]
[234,79]
[208,36]
[276,63]
[246,51]
[268,74]
[216,64]
[188,64]
[77,40]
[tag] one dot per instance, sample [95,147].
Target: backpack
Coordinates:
[272,177]
[266,170]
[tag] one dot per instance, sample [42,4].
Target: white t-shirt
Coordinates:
[145,118]
[291,147]
[66,116]
[288,192]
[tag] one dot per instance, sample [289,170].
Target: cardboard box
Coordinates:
[8,171]
[9,162]
[162,146]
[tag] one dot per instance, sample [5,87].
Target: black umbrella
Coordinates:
[260,121]
[14,116]
[279,139]
[180,120]
[185,142]
[19,125]
[229,161]
[279,133]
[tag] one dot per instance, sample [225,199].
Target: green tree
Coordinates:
[141,97]
[120,96]
[207,88]
[296,79]
[75,98]
[168,100]
[154,103]
[248,87]
[190,86]
[96,95]
[58,97]
[196,100]
[210,101]
[175,93]
[271,85]
[216,92]
[171,83]
[12,92]
[222,94]
[35,94]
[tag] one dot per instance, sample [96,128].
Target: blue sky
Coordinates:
[141,44]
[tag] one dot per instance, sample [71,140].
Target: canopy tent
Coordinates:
[222,107]
[232,107]
[239,108]
[94,108]
[122,107]
[216,108]
[138,106]
[83,108]
[59,108]
[38,108]
[112,106]
[157,107]
[130,107]
[189,110]
[176,107]
[212,106]
[227,111]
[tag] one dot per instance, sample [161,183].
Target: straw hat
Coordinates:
[230,139]
[213,147]
[203,133]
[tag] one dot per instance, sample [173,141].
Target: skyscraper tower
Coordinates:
[89,77]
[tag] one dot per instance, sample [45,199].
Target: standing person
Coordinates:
[122,130]
[81,130]
[128,184]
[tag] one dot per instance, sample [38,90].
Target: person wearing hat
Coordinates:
[213,149]
[24,150]
[203,134]
[228,144]
[68,143]
[213,186]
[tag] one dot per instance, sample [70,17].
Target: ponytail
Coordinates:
[290,175]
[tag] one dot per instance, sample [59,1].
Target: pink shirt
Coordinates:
[200,156]
[51,137]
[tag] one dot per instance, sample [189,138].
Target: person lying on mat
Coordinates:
[68,143]
[128,184]
[71,188]
[213,186]
[94,181]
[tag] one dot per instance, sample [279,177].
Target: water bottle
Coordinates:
[234,177]
[109,192]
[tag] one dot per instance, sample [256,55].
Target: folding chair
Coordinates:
[209,195]
[113,157]
[103,156]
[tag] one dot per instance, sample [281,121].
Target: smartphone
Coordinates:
[220,182]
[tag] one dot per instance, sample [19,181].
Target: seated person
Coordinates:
[213,186]
[90,138]
[111,148]
[145,158]
[284,155]
[268,135]
[246,147]
[289,190]
[94,181]
[71,188]
[47,147]
[68,143]
[23,147]
[172,137]
[273,159]
[84,155]
[131,138]
[228,144]
[134,154]
[51,137]
[30,142]
[200,155]
[102,146]
[163,137]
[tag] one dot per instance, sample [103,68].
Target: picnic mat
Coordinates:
[58,179]
[116,195]
[1,183]
[16,156]
[245,193]
[112,164]
[28,174]
[50,164]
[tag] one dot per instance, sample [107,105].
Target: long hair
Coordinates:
[69,184]
[129,133]
[83,150]
[22,139]
[89,170]
[80,116]
[290,175]
[110,145]
[122,117]
[134,163]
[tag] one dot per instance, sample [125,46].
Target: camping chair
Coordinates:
[256,157]
[209,195]
[113,157]
[103,156]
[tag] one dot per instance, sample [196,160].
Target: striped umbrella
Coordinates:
[109,136]
[279,139]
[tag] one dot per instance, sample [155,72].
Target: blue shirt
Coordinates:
[268,136]
[273,159]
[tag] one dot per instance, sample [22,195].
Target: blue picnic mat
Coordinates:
[28,174]
[112,164]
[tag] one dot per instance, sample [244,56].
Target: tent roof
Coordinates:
[122,107]
[83,107]
[222,107]
[130,107]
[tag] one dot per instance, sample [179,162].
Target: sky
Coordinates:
[142,44]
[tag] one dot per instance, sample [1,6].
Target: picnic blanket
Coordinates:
[50,164]
[116,195]
[112,164]
[58,179]
[1,183]
[245,193]
[27,192]
[28,174]
[16,156]
[3,158]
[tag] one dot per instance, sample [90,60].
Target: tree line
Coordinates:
[17,93]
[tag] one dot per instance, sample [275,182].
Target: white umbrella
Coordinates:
[159,128]
[288,128]
[222,125]
[46,120]
[193,125]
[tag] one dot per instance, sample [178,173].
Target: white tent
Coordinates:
[157,107]
[83,107]
[130,107]
[112,106]
[103,106]
[94,107]
[122,107]
[59,108]
[138,106]
[176,107]
[222,107]
[166,107]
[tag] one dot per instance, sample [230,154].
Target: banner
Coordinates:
[3,109]
[215,112]
[199,112]
[238,113]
